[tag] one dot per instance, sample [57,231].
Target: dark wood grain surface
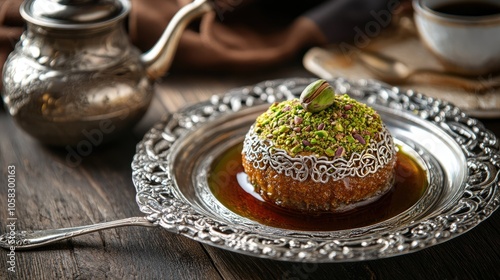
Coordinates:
[54,190]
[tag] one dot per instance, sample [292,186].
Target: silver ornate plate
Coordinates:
[461,157]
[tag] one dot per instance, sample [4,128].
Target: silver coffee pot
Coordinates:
[74,73]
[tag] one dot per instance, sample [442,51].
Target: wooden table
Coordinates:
[51,193]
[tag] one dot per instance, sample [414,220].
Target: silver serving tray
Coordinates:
[461,157]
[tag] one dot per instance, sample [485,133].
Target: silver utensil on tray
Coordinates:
[393,71]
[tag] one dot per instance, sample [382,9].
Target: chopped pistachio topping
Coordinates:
[344,128]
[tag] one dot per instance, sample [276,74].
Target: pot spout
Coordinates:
[159,58]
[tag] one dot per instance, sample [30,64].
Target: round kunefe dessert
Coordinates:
[323,152]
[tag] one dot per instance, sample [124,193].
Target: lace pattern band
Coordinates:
[261,154]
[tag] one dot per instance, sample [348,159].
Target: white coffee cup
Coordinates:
[464,44]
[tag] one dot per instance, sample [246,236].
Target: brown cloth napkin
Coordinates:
[239,35]
[11,27]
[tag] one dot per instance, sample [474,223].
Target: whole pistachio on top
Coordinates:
[317,96]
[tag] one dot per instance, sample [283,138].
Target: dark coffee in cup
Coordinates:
[468,9]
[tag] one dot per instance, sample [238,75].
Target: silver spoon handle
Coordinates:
[477,85]
[38,238]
